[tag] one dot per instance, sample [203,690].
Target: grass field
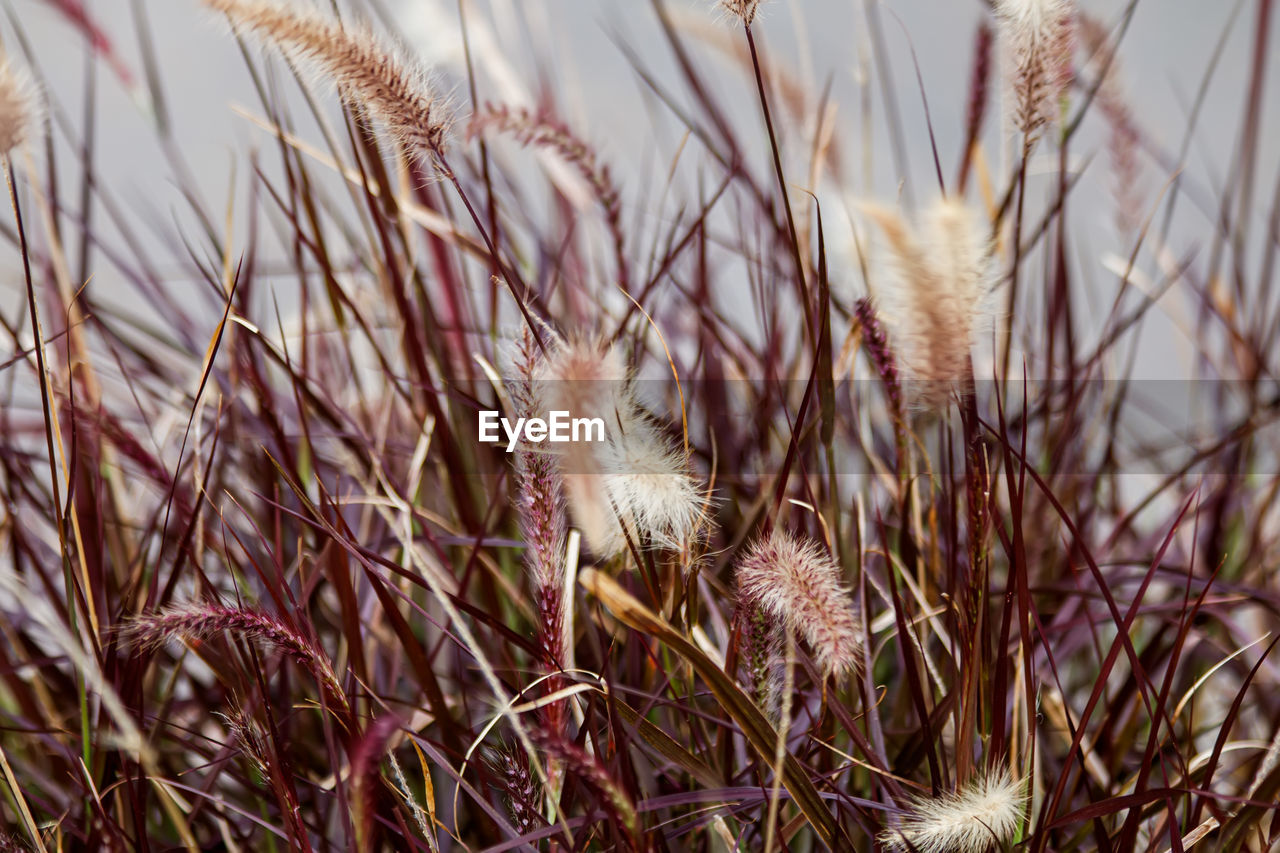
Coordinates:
[887,539]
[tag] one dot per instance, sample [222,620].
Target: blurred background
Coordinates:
[148,65]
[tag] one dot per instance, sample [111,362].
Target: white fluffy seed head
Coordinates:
[19,107]
[1029,18]
[937,303]
[649,482]
[796,581]
[983,815]
[633,484]
[959,249]
[594,515]
[1036,36]
[743,10]
[587,378]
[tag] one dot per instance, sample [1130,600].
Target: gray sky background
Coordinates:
[1165,57]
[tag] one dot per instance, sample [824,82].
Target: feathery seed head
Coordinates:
[1037,36]
[590,771]
[540,504]
[986,813]
[959,248]
[365,69]
[19,107]
[649,483]
[641,485]
[1035,16]
[252,739]
[796,581]
[1123,138]
[523,790]
[202,621]
[879,351]
[587,378]
[594,515]
[634,480]
[937,307]
[743,10]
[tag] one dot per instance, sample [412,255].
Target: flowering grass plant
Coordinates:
[874,538]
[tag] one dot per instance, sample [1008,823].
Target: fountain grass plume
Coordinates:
[541,508]
[635,484]
[19,107]
[1037,38]
[648,479]
[588,770]
[202,621]
[744,10]
[796,582]
[937,304]
[366,69]
[982,815]
[522,791]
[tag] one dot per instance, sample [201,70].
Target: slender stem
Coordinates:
[780,749]
[510,277]
[42,369]
[1017,264]
[782,183]
[492,205]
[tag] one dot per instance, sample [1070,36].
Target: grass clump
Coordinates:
[886,544]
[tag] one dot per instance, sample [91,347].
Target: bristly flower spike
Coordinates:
[541,508]
[203,620]
[980,817]
[379,79]
[633,485]
[1037,36]
[19,107]
[879,352]
[390,86]
[796,581]
[743,10]
[938,303]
